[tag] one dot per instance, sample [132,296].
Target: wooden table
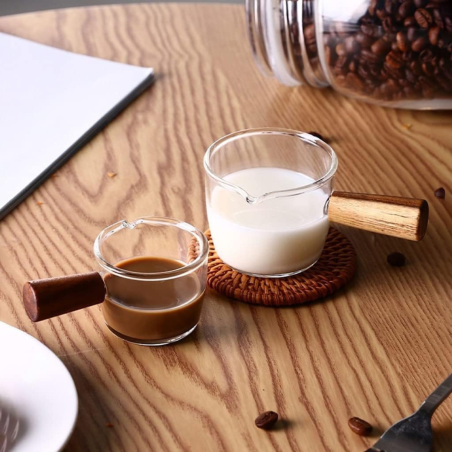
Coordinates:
[373,350]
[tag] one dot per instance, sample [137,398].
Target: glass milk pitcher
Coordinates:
[267,197]
[270,200]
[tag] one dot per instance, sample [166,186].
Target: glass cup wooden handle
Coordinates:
[51,297]
[406,218]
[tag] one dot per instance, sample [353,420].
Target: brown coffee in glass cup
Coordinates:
[151,283]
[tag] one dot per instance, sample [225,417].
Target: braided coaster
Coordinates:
[333,270]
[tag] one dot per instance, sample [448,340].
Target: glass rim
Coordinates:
[152,276]
[246,133]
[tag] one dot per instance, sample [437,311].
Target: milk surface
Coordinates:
[274,237]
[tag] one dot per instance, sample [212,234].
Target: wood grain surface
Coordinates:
[373,350]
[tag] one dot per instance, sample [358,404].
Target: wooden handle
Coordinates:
[46,298]
[406,218]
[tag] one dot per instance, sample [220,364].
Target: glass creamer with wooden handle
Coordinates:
[270,201]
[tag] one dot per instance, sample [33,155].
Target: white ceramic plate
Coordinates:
[40,390]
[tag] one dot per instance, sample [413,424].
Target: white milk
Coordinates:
[274,237]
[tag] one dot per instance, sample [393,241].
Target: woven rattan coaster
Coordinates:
[333,270]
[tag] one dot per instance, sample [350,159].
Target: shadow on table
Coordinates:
[442,438]
[284,424]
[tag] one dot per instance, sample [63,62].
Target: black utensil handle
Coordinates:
[441,393]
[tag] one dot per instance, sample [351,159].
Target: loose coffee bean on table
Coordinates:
[360,427]
[398,50]
[396,259]
[440,193]
[266,420]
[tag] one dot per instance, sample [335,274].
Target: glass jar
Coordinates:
[395,53]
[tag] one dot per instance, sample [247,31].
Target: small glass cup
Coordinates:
[267,193]
[155,307]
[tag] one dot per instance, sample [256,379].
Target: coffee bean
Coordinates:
[406,9]
[266,420]
[354,82]
[420,44]
[409,22]
[438,18]
[433,35]
[396,259]
[380,47]
[402,41]
[412,34]
[419,3]
[440,193]
[372,58]
[394,60]
[364,40]
[360,427]
[423,17]
[426,56]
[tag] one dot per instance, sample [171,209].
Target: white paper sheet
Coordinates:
[49,99]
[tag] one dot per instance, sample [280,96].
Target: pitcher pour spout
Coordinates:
[256,200]
[252,200]
[129,224]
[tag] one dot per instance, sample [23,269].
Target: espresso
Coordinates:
[152,311]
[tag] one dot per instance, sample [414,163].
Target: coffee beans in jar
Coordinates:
[389,52]
[398,50]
